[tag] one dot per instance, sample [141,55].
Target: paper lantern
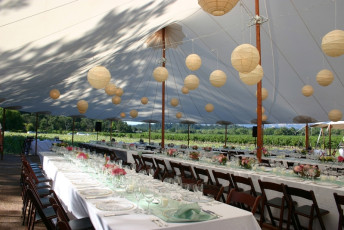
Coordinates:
[98,77]
[116,100]
[54,94]
[119,92]
[110,89]
[179,115]
[144,100]
[122,115]
[325,77]
[185,90]
[160,74]
[264,117]
[245,58]
[265,94]
[263,110]
[217,7]
[253,77]
[174,102]
[133,113]
[307,90]
[209,107]
[82,106]
[333,43]
[191,82]
[335,115]
[218,78]
[193,62]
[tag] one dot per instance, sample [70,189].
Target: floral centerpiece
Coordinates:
[132,146]
[69,148]
[183,146]
[82,155]
[340,159]
[246,162]
[172,152]
[208,149]
[194,155]
[221,159]
[117,171]
[309,171]
[195,147]
[265,152]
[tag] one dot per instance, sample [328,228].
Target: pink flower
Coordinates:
[82,156]
[340,159]
[297,169]
[118,171]
[69,148]
[109,166]
[171,151]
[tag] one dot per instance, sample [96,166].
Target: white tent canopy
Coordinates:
[53,45]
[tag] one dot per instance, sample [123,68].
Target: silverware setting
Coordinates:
[116,214]
[159,222]
[211,213]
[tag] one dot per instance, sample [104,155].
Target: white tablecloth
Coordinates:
[42,146]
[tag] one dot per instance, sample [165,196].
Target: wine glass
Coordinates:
[149,197]
[138,196]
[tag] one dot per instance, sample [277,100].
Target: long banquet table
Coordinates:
[79,206]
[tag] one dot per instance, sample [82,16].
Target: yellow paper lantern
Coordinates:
[144,100]
[122,115]
[218,78]
[263,110]
[217,7]
[264,117]
[191,82]
[265,94]
[307,90]
[54,94]
[332,43]
[253,77]
[325,77]
[110,89]
[82,106]
[335,115]
[119,92]
[116,100]
[179,115]
[193,62]
[160,74]
[209,107]
[174,102]
[98,77]
[133,113]
[185,90]
[245,58]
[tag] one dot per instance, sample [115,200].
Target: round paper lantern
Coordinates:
[98,77]
[133,113]
[245,58]
[218,78]
[54,94]
[82,106]
[307,90]
[325,77]
[217,7]
[185,90]
[253,77]
[119,92]
[160,74]
[116,100]
[122,115]
[335,115]
[263,110]
[179,115]
[332,43]
[144,100]
[209,107]
[191,82]
[264,117]
[174,102]
[265,94]
[110,89]
[193,62]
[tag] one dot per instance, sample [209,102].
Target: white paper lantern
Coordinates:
[333,43]
[122,115]
[185,90]
[335,115]
[116,100]
[217,7]
[245,58]
[253,77]
[174,102]
[179,115]
[209,107]
[133,113]
[218,78]
[98,77]
[191,82]
[193,62]
[325,77]
[144,100]
[110,89]
[160,74]
[264,117]
[119,92]
[265,94]
[307,90]
[54,94]
[82,106]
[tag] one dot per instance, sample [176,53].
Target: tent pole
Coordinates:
[188,135]
[3,132]
[329,140]
[306,136]
[225,135]
[149,133]
[110,130]
[73,131]
[163,94]
[36,133]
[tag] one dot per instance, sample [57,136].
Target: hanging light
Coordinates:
[174,102]
[191,82]
[193,62]
[179,115]
[217,7]
[54,94]
[265,94]
[253,77]
[264,117]
[122,115]
[110,89]
[245,58]
[218,78]
[209,107]
[82,106]
[160,74]
[119,92]
[335,115]
[133,113]
[185,90]
[98,77]
[144,100]
[332,43]
[116,100]
[307,90]
[325,77]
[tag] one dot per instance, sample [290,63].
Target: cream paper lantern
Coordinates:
[325,77]
[179,115]
[98,77]
[263,110]
[264,117]
[119,92]
[144,100]
[217,7]
[209,107]
[193,62]
[116,100]
[110,89]
[265,94]
[160,74]
[307,90]
[191,82]
[245,58]
[253,77]
[82,106]
[332,43]
[133,113]
[122,115]
[218,78]
[335,115]
[54,94]
[185,90]
[174,102]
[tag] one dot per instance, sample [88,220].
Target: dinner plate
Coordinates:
[119,206]
[96,192]
[85,183]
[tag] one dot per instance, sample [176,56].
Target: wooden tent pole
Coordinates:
[149,133]
[225,135]
[73,131]
[163,94]
[329,140]
[3,132]
[110,130]
[36,133]
[188,135]
[306,136]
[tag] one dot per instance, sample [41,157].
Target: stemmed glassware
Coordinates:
[149,197]
[138,196]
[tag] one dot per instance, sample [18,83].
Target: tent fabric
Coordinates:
[53,45]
